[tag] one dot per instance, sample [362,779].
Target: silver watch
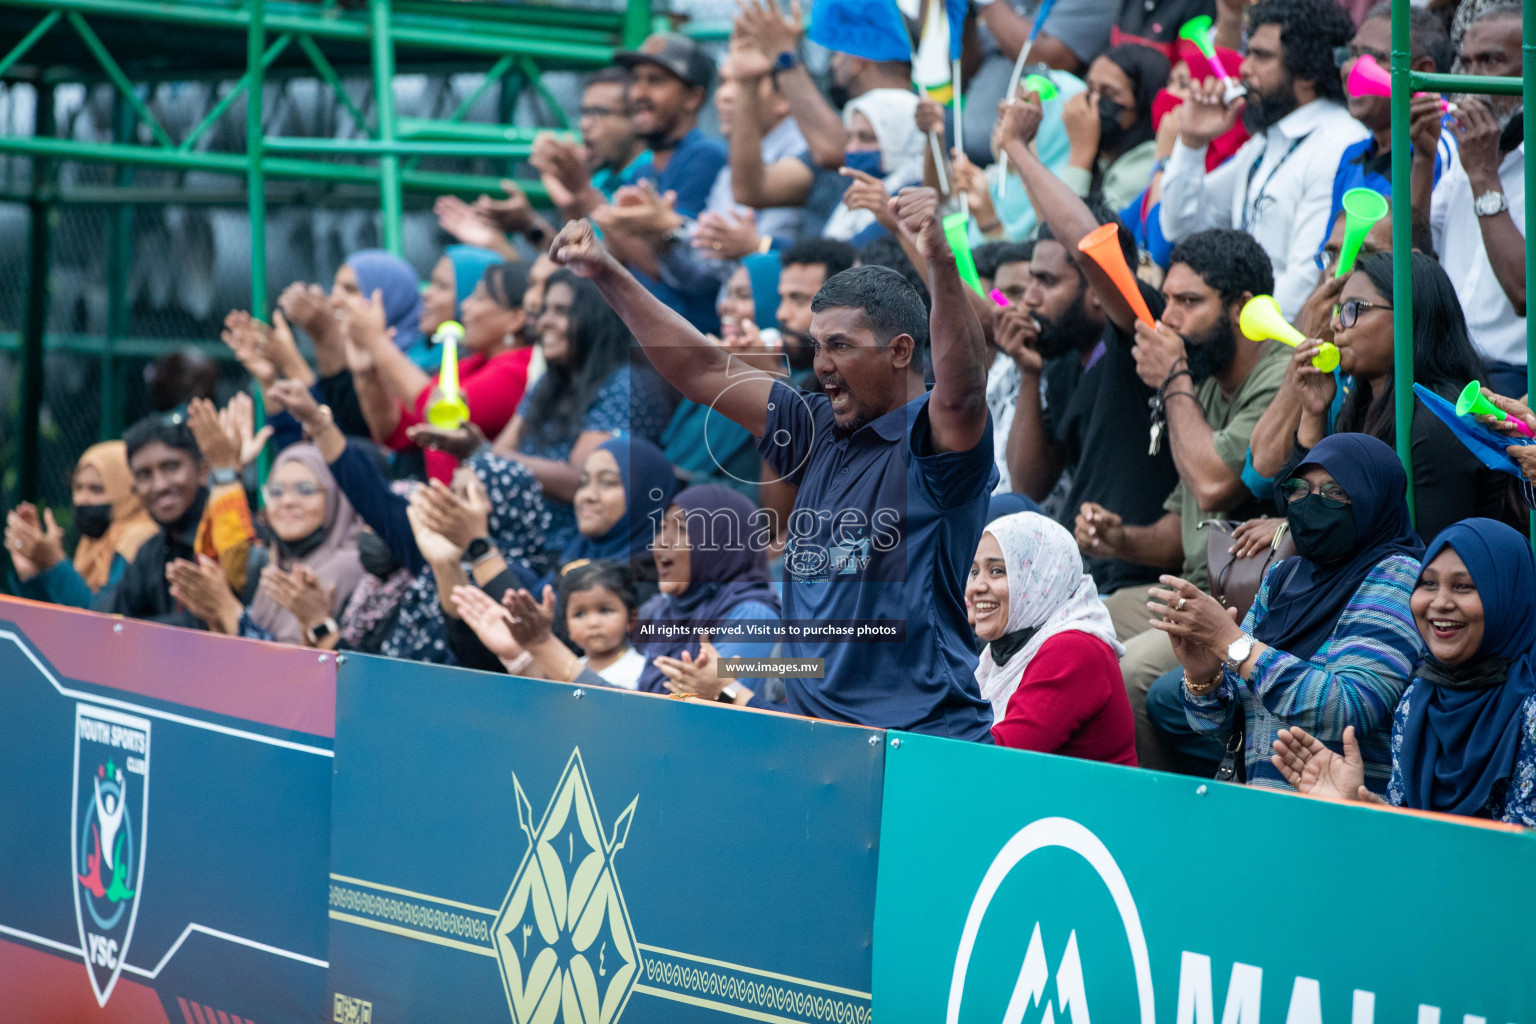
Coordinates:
[1490,204]
[729,694]
[1238,651]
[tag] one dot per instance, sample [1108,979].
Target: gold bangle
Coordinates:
[1204,689]
[764,244]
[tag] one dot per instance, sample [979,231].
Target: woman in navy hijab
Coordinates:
[1464,735]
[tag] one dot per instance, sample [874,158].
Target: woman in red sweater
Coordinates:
[493,367]
[1052,664]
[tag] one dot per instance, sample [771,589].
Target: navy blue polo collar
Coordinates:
[892,426]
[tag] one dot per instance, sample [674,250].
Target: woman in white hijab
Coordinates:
[883,141]
[1052,664]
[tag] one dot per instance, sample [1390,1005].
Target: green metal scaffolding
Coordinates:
[1405,81]
[137,43]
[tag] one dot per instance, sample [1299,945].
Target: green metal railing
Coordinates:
[1405,81]
[286,38]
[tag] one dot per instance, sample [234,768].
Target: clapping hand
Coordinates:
[531,621]
[491,622]
[301,592]
[694,676]
[728,236]
[1310,767]
[35,546]
[467,223]
[513,213]
[202,587]
[220,448]
[867,192]
[245,336]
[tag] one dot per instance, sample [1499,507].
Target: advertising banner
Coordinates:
[512,850]
[1026,888]
[164,822]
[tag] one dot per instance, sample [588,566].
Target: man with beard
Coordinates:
[893,478]
[1007,272]
[1075,332]
[1215,384]
[1477,213]
[168,471]
[1279,185]
[666,192]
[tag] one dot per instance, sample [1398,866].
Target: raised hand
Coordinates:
[1207,115]
[868,193]
[1080,117]
[578,247]
[434,547]
[467,223]
[512,213]
[773,32]
[1477,135]
[1314,388]
[1310,767]
[929,115]
[459,519]
[299,401]
[1020,120]
[972,180]
[728,236]
[916,211]
[562,167]
[1157,351]
[284,351]
[639,210]
[308,306]
[238,419]
[220,447]
[1424,125]
[243,334]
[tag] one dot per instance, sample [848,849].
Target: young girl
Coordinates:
[599,605]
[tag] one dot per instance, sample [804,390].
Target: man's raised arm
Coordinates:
[957,408]
[703,372]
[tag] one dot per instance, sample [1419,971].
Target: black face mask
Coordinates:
[1214,354]
[93,520]
[1111,132]
[1324,536]
[838,95]
[375,556]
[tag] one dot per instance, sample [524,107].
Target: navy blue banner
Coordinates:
[165,815]
[512,850]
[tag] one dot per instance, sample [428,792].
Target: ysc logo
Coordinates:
[563,937]
[1017,984]
[111,805]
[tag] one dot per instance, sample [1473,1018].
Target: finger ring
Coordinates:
[517,622]
[715,246]
[1180,606]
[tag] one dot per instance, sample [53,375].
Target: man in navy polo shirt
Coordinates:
[893,479]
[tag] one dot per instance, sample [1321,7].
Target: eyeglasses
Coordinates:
[1348,311]
[303,489]
[1332,494]
[603,112]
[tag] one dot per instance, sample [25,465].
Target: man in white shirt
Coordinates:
[1279,186]
[1477,211]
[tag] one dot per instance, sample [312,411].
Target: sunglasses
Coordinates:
[1348,311]
[1332,494]
[303,489]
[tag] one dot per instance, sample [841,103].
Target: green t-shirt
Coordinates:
[1232,419]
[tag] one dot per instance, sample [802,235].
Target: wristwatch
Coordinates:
[1490,204]
[320,632]
[1238,651]
[729,694]
[785,61]
[478,549]
[224,476]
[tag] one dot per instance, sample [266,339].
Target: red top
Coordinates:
[492,389]
[1071,701]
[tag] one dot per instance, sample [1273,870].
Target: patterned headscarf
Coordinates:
[517,523]
[1048,593]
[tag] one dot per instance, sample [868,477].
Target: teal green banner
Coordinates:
[1020,888]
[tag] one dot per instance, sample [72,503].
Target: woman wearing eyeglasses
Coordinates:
[1449,483]
[1330,642]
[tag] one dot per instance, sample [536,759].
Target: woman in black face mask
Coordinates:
[112,526]
[1330,641]
[1110,125]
